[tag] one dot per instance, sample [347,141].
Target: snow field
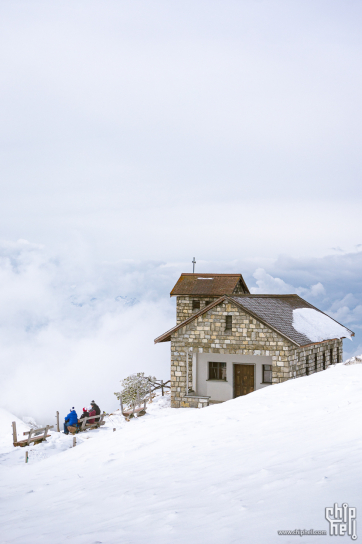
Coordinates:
[231,473]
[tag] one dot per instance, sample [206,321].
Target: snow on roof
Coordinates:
[317,326]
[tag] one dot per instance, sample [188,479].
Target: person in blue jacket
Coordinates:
[71,420]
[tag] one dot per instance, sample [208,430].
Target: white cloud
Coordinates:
[267,284]
[68,335]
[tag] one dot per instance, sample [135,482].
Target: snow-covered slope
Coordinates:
[6,436]
[232,473]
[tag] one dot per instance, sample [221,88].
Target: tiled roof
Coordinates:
[208,284]
[277,311]
[273,310]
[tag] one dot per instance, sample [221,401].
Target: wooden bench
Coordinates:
[83,426]
[34,435]
[137,408]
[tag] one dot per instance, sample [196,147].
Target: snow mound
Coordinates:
[357,360]
[6,436]
[317,326]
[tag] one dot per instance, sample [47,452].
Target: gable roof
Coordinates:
[208,284]
[274,311]
[277,311]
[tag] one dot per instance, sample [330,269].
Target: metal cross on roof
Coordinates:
[193,266]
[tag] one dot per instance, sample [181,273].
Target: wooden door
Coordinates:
[243,379]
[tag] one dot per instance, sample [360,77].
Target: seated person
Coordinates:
[92,412]
[96,408]
[71,420]
[85,414]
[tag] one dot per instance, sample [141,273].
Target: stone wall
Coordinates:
[194,401]
[239,289]
[184,306]
[207,334]
[316,357]
[248,336]
[184,303]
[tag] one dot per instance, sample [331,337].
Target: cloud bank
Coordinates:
[72,328]
[68,334]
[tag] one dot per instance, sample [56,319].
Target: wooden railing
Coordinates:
[159,384]
[34,435]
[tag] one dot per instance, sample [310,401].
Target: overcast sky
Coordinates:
[135,135]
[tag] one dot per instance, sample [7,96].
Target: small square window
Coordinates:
[267,374]
[196,304]
[207,302]
[229,323]
[217,371]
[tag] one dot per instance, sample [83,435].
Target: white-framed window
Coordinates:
[267,374]
[217,371]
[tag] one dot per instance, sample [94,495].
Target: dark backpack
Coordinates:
[97,409]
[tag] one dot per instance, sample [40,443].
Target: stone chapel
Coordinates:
[228,342]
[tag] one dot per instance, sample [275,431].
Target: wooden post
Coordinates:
[15,436]
[46,431]
[162,386]
[74,441]
[30,435]
[57,416]
[26,457]
[187,373]
[193,372]
[114,430]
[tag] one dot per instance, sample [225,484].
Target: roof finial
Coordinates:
[193,266]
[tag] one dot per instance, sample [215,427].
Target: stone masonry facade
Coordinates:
[184,303]
[316,357]
[248,336]
[184,306]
